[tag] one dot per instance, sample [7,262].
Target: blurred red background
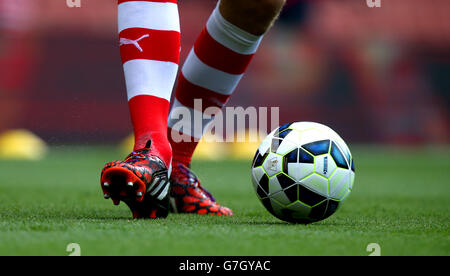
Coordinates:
[377,75]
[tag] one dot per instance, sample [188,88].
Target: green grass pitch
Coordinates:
[401,200]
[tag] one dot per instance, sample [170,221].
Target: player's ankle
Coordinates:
[158,145]
[183,162]
[253,16]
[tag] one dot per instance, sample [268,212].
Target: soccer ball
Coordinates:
[302,172]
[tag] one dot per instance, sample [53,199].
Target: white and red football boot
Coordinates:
[141,181]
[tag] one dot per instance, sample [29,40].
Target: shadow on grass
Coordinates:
[102,216]
[320,224]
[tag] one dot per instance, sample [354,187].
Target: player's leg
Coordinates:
[149,34]
[211,73]
[252,16]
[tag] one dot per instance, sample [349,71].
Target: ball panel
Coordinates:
[277,208]
[273,164]
[318,211]
[298,212]
[324,210]
[316,183]
[298,171]
[284,127]
[257,174]
[308,197]
[275,144]
[312,135]
[302,126]
[318,147]
[291,157]
[255,186]
[265,144]
[260,192]
[285,181]
[325,130]
[259,158]
[281,198]
[338,157]
[254,158]
[343,147]
[268,205]
[339,183]
[344,197]
[285,146]
[352,180]
[264,185]
[292,193]
[314,132]
[279,182]
[331,208]
[287,215]
[282,134]
[255,180]
[325,165]
[274,186]
[305,157]
[341,193]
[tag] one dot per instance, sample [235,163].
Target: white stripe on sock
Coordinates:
[231,36]
[198,73]
[150,77]
[149,15]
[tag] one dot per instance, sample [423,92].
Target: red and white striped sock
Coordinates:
[211,73]
[149,33]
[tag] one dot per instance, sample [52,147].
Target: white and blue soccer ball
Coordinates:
[302,172]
